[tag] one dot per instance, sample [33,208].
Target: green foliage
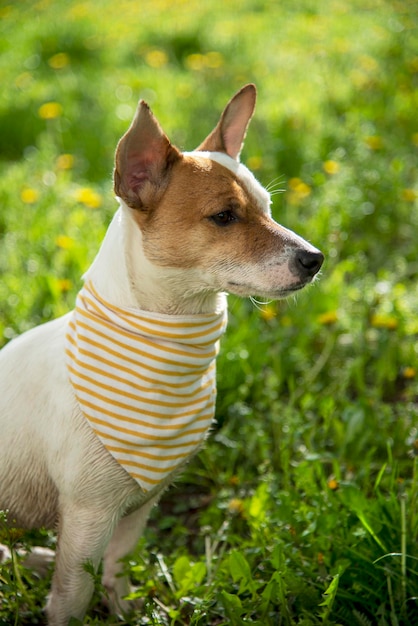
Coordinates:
[302,508]
[20,588]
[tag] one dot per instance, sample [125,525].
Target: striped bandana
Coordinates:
[144,381]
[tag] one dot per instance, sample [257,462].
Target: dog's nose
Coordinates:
[308,262]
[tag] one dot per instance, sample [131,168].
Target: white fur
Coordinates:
[242,173]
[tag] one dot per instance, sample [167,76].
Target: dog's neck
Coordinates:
[122,274]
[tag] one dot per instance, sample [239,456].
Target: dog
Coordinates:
[101,408]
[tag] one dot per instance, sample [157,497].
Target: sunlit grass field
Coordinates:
[302,509]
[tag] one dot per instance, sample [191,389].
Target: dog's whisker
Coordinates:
[258,304]
[279,180]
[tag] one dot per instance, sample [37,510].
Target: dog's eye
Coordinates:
[224,218]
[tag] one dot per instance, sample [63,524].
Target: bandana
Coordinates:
[144,381]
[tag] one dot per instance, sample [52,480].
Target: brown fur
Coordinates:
[174,224]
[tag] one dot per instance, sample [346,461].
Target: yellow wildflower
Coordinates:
[236,506]
[268,312]
[198,62]
[333,484]
[328,318]
[88,197]
[64,242]
[65,162]
[50,110]
[380,320]
[156,58]
[298,186]
[65,284]
[374,142]
[409,195]
[29,195]
[331,167]
[299,190]
[409,372]
[195,62]
[59,60]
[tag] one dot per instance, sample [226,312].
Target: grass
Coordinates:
[302,509]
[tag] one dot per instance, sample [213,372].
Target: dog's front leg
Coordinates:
[83,535]
[124,539]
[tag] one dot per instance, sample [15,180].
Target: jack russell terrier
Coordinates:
[101,408]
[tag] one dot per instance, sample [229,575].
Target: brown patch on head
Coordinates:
[187,229]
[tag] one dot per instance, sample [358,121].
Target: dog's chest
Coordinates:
[146,383]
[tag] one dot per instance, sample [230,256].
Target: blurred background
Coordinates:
[309,481]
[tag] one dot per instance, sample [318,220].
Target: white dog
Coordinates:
[100,408]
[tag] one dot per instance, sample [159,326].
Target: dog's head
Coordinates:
[204,212]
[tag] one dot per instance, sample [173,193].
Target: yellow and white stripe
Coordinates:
[144,381]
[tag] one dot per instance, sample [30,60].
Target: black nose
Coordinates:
[308,262]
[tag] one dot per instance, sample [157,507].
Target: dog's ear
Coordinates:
[144,157]
[229,134]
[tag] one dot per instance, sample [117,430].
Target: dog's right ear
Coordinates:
[144,157]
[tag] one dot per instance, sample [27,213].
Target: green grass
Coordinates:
[302,509]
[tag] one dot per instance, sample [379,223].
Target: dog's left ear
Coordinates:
[229,134]
[144,158]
